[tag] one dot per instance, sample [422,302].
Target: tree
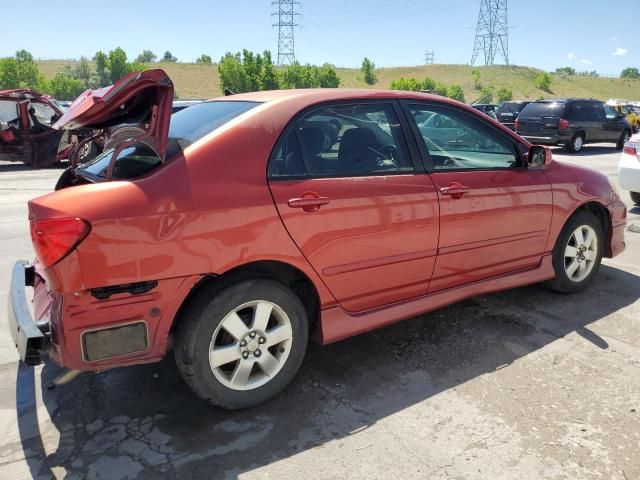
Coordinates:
[368,71]
[543,81]
[327,76]
[117,64]
[147,56]
[455,92]
[9,77]
[64,87]
[428,84]
[204,58]
[630,72]
[168,57]
[268,75]
[102,68]
[565,71]
[504,94]
[232,74]
[406,84]
[28,74]
[84,72]
[441,89]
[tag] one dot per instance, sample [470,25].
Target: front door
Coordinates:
[495,213]
[350,196]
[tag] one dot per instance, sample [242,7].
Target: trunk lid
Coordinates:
[136,109]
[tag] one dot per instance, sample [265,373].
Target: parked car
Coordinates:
[182,104]
[572,123]
[507,112]
[234,232]
[627,111]
[486,108]
[26,133]
[629,168]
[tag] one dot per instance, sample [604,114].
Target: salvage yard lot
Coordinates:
[521,384]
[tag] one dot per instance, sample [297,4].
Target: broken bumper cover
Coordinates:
[29,337]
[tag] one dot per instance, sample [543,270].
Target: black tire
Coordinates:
[198,322]
[624,138]
[88,152]
[635,197]
[575,145]
[562,283]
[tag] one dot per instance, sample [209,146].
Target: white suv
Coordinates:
[629,168]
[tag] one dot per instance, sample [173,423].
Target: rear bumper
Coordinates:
[546,140]
[29,337]
[629,173]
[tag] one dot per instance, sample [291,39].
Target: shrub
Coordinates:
[504,94]
[565,71]
[368,71]
[475,73]
[486,95]
[65,87]
[543,81]
[630,72]
[204,58]
[455,92]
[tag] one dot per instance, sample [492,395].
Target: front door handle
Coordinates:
[308,201]
[455,189]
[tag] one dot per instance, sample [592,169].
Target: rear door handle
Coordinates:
[455,189]
[309,202]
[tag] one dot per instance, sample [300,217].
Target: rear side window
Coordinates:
[543,109]
[510,107]
[132,162]
[8,111]
[343,140]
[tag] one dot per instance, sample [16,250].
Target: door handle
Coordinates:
[455,189]
[309,202]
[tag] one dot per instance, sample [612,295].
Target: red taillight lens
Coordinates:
[516,125]
[630,149]
[563,123]
[54,239]
[7,136]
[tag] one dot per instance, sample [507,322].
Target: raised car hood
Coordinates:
[135,109]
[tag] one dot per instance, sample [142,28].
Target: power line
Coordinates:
[287,14]
[428,57]
[492,32]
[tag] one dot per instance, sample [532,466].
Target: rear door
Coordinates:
[540,119]
[356,202]
[495,213]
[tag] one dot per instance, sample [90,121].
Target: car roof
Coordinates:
[20,93]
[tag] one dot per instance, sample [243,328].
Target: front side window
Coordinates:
[456,141]
[610,113]
[344,140]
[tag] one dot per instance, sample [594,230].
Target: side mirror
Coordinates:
[539,156]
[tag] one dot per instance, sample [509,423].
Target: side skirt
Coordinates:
[336,324]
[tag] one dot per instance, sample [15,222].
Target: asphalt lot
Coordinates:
[521,384]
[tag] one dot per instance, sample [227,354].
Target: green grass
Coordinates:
[201,81]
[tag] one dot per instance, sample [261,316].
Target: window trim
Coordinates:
[475,121]
[405,130]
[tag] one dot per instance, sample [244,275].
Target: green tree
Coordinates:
[441,89]
[630,72]
[64,87]
[168,57]
[118,67]
[102,68]
[543,81]
[428,84]
[504,94]
[232,74]
[455,92]
[9,77]
[368,70]
[84,72]
[268,75]
[565,71]
[297,76]
[137,67]
[28,74]
[204,58]
[328,77]
[406,84]
[147,56]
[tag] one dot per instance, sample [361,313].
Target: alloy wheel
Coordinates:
[581,253]
[250,345]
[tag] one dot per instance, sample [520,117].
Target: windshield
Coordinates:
[187,127]
[543,109]
[510,107]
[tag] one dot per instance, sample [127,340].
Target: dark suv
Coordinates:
[507,112]
[572,123]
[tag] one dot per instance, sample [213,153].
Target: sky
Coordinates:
[584,34]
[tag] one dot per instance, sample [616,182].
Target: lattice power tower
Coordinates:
[492,32]
[286,13]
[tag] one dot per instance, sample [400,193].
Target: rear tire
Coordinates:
[624,138]
[239,345]
[576,143]
[635,197]
[577,253]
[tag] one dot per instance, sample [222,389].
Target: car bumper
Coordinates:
[545,140]
[30,338]
[629,173]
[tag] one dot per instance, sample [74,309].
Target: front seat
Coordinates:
[313,139]
[357,153]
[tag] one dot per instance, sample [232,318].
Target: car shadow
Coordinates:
[588,150]
[146,419]
[6,167]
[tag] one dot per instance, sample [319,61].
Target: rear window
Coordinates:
[187,127]
[510,107]
[543,109]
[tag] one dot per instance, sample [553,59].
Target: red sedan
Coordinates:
[236,229]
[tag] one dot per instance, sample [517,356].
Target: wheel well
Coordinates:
[282,272]
[603,215]
[580,132]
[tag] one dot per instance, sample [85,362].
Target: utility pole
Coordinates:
[286,13]
[428,57]
[492,32]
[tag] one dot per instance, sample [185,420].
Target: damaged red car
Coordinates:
[26,133]
[241,227]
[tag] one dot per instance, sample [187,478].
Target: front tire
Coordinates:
[578,253]
[576,143]
[239,345]
[635,197]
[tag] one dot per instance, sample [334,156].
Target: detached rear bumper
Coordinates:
[29,337]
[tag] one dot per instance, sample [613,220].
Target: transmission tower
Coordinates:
[286,13]
[492,32]
[428,57]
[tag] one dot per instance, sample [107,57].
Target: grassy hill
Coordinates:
[201,81]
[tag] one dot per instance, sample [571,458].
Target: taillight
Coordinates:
[517,124]
[563,123]
[7,136]
[630,149]
[54,239]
